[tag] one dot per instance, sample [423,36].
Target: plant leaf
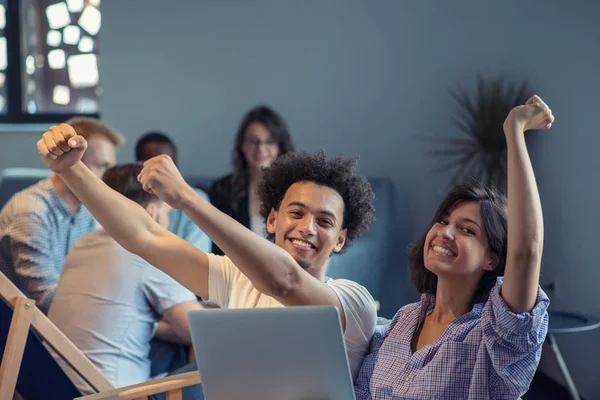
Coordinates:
[481,152]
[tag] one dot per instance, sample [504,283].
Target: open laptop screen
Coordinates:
[271,354]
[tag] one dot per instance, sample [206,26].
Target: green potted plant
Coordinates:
[481,153]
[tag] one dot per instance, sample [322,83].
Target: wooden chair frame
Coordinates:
[27,316]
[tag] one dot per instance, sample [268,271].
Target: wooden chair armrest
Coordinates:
[142,390]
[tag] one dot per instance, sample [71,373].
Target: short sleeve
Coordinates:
[361,317]
[222,274]
[162,291]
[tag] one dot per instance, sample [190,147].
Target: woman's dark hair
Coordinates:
[494,216]
[123,179]
[337,173]
[279,131]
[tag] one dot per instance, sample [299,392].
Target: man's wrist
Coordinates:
[71,171]
[188,199]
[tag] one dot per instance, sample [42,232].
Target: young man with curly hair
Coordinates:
[313,207]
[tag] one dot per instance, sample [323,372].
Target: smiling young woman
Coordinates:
[478,330]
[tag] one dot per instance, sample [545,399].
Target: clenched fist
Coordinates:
[534,114]
[61,147]
[161,177]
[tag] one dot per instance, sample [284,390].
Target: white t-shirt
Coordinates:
[229,288]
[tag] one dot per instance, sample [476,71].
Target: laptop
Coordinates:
[291,353]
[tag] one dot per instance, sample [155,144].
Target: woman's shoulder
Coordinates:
[407,312]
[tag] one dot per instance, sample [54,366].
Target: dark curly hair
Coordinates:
[492,203]
[336,173]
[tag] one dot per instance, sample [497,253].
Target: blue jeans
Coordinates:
[166,357]
[189,393]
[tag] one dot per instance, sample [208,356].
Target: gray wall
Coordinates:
[370,79]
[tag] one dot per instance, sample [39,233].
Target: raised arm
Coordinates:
[525,219]
[267,265]
[270,268]
[126,221]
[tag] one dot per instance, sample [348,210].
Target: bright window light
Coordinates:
[31,107]
[2,16]
[53,38]
[90,20]
[86,44]
[30,65]
[75,5]
[56,59]
[2,79]
[58,15]
[83,70]
[59,57]
[3,60]
[2,102]
[71,34]
[61,95]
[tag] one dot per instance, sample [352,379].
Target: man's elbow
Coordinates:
[282,286]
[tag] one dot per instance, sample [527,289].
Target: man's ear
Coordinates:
[341,241]
[272,221]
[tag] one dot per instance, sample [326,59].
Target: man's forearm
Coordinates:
[269,267]
[123,219]
[165,331]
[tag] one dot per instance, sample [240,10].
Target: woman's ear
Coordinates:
[492,262]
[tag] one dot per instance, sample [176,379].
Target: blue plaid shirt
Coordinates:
[37,230]
[488,353]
